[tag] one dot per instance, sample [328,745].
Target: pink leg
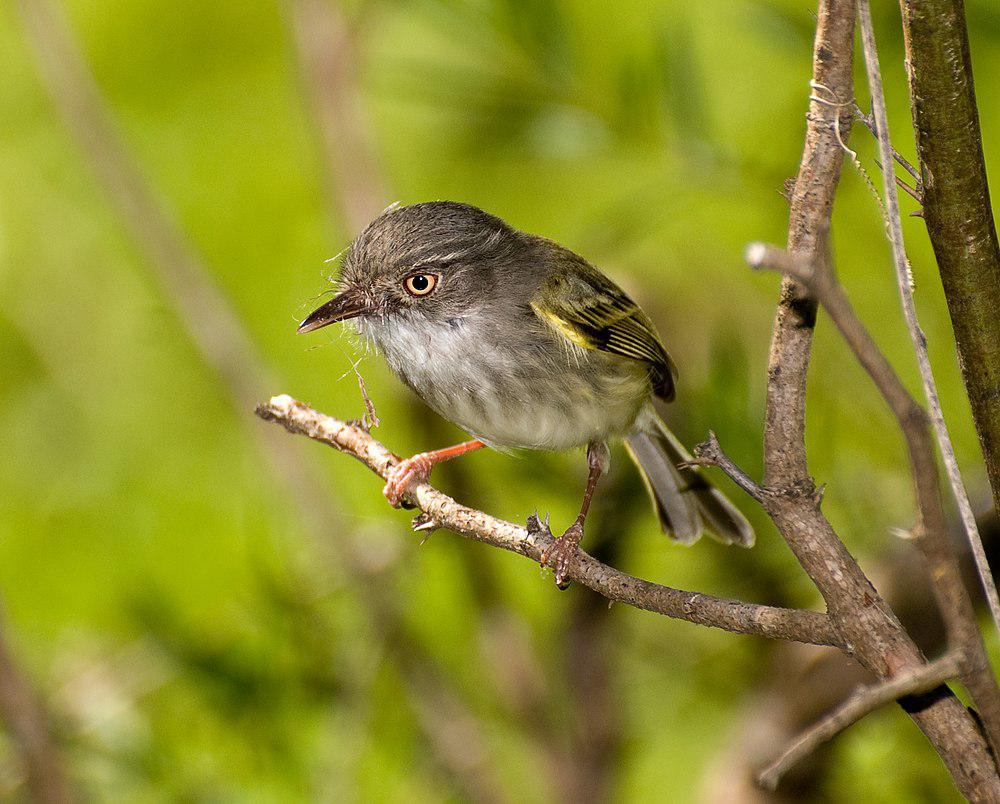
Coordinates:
[564,549]
[411,472]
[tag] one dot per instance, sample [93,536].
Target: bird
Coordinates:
[524,345]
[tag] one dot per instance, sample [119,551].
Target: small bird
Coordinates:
[524,345]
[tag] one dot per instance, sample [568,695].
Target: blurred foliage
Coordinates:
[159,586]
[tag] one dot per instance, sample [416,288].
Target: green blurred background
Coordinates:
[202,632]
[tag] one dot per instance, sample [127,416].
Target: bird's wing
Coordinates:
[592,312]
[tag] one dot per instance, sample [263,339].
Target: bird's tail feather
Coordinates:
[686,502]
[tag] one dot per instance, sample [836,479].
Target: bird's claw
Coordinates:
[560,552]
[406,474]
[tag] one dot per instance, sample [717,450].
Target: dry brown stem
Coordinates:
[729,615]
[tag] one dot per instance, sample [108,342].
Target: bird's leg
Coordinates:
[562,551]
[410,472]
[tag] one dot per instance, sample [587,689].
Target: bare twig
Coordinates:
[895,229]
[953,600]
[902,185]
[729,615]
[868,121]
[863,702]
[710,453]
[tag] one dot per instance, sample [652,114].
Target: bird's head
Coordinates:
[436,260]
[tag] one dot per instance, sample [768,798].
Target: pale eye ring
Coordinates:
[420,284]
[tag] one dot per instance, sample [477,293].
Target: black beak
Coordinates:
[349,303]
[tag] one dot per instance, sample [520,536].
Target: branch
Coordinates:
[952,597]
[729,615]
[902,264]
[866,700]
[956,197]
[710,453]
[868,121]
[859,614]
[978,675]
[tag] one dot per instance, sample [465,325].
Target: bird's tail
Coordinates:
[686,502]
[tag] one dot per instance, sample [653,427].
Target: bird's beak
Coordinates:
[349,303]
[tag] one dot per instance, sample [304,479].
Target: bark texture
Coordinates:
[956,200]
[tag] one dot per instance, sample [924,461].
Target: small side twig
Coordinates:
[902,185]
[863,702]
[710,453]
[868,121]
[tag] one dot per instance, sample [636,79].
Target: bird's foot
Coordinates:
[406,474]
[560,552]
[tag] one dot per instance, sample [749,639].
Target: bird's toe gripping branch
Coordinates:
[405,475]
[560,553]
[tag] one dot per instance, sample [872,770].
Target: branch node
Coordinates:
[761,256]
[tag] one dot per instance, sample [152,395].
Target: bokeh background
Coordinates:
[217,612]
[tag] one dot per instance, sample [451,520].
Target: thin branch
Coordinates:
[895,228]
[979,676]
[859,614]
[953,600]
[902,185]
[730,615]
[868,121]
[763,255]
[865,701]
[710,453]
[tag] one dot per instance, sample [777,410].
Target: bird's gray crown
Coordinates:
[434,233]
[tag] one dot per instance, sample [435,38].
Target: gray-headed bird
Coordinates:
[524,345]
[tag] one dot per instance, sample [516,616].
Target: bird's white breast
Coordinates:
[506,391]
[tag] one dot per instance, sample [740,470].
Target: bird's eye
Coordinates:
[420,284]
